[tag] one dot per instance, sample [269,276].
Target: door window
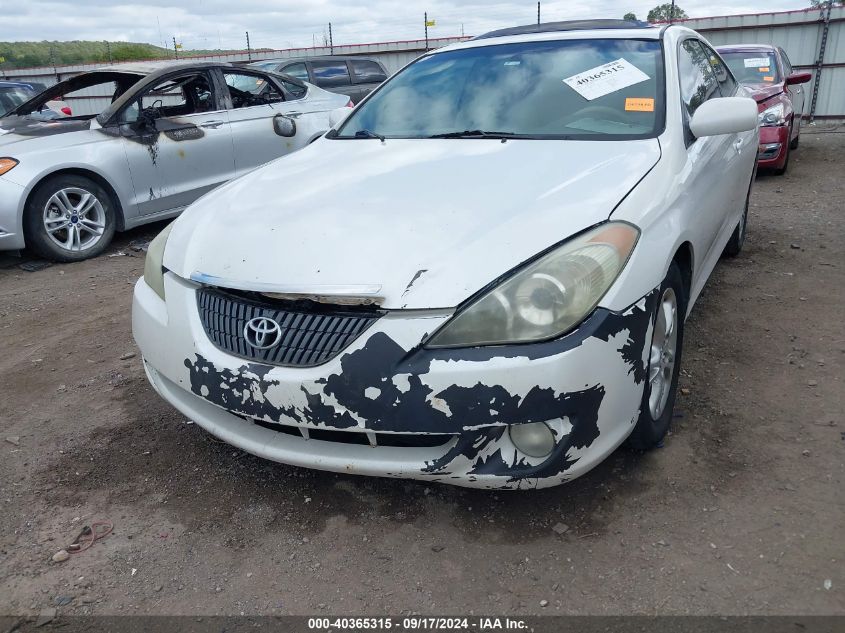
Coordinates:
[787,65]
[727,85]
[298,71]
[175,96]
[247,89]
[698,81]
[330,73]
[367,71]
[297,91]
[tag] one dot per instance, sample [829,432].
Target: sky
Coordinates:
[211,24]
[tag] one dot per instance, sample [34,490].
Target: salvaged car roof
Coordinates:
[148,68]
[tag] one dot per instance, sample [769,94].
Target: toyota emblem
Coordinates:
[262,333]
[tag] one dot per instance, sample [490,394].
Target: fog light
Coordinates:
[535,439]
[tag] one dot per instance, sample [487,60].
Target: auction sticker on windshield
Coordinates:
[602,80]
[752,62]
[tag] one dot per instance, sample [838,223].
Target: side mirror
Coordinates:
[147,119]
[284,126]
[338,116]
[726,115]
[798,78]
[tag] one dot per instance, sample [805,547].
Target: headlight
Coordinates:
[7,164]
[772,116]
[153,265]
[547,298]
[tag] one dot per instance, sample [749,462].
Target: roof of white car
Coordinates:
[584,29]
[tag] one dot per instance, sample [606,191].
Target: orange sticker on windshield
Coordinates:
[764,69]
[768,78]
[639,105]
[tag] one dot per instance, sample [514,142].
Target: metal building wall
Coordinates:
[799,33]
[394,55]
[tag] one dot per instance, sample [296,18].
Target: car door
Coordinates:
[255,100]
[741,161]
[795,92]
[709,181]
[177,141]
[367,75]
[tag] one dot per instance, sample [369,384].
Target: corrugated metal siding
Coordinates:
[394,55]
[799,33]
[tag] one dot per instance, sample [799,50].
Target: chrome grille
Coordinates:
[312,333]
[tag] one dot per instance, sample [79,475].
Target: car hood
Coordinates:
[428,222]
[14,129]
[761,92]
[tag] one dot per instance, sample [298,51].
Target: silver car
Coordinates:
[172,132]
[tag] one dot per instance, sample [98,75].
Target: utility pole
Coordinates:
[108,50]
[175,49]
[331,40]
[425,21]
[672,12]
[248,49]
[538,13]
[53,61]
[825,18]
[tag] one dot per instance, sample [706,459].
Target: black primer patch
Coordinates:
[636,320]
[365,389]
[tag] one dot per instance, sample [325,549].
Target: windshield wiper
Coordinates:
[368,134]
[478,134]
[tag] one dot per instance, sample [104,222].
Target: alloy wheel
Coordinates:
[74,219]
[664,347]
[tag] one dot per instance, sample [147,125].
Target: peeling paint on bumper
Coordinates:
[587,385]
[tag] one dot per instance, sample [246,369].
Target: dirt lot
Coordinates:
[742,511]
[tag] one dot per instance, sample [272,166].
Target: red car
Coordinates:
[767,73]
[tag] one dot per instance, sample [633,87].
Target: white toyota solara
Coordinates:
[480,277]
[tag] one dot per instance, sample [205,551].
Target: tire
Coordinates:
[734,245]
[782,170]
[658,401]
[69,218]
[794,143]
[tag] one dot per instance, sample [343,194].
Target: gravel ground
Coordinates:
[742,511]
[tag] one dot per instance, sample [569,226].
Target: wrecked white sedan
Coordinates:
[172,132]
[479,278]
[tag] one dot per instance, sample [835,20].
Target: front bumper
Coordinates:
[587,386]
[11,218]
[773,147]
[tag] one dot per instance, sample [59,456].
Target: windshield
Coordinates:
[753,67]
[12,96]
[580,89]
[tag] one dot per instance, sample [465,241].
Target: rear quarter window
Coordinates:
[367,71]
[330,73]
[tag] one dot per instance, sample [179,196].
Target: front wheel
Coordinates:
[737,240]
[69,218]
[780,171]
[664,363]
